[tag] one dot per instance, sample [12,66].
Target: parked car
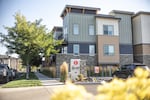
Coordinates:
[127,70]
[14,73]
[5,73]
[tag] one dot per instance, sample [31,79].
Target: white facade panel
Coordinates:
[137,31]
[145,28]
[103,21]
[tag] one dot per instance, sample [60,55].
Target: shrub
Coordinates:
[63,72]
[135,88]
[80,77]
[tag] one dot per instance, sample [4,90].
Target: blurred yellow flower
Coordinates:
[71,92]
[134,88]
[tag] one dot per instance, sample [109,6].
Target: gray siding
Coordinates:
[84,20]
[125,28]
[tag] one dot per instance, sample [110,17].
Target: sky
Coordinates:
[50,10]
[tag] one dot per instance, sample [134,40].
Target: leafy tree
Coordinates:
[28,39]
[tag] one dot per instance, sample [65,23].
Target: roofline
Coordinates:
[83,7]
[141,12]
[80,7]
[107,16]
[122,12]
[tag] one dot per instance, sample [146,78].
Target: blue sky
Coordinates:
[50,10]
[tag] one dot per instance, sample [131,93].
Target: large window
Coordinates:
[76,29]
[108,29]
[91,50]
[109,50]
[91,29]
[76,49]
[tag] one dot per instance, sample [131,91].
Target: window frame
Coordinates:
[91,31]
[107,32]
[74,49]
[76,29]
[90,49]
[107,50]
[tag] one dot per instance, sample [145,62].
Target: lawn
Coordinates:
[22,82]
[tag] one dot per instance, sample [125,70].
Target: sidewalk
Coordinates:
[46,81]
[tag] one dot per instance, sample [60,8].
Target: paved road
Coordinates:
[28,93]
[35,93]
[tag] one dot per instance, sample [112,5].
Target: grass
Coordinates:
[22,82]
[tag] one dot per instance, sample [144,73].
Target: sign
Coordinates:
[96,69]
[74,68]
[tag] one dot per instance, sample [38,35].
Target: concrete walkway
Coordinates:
[46,81]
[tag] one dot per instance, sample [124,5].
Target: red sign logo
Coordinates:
[75,62]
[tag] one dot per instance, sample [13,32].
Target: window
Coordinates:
[75,29]
[92,49]
[108,29]
[109,50]
[76,49]
[64,50]
[65,32]
[91,29]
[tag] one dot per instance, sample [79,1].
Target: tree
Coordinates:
[28,39]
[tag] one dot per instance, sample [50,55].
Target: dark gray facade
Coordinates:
[84,47]
[126,49]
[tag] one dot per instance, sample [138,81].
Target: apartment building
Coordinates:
[141,37]
[103,40]
[125,35]
[107,35]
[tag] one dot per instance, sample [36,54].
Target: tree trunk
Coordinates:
[27,70]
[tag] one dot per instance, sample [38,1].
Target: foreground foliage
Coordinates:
[135,88]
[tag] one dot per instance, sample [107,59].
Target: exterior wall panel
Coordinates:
[142,49]
[125,29]
[145,25]
[137,30]
[126,49]
[104,21]
[84,20]
[101,41]
[84,47]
